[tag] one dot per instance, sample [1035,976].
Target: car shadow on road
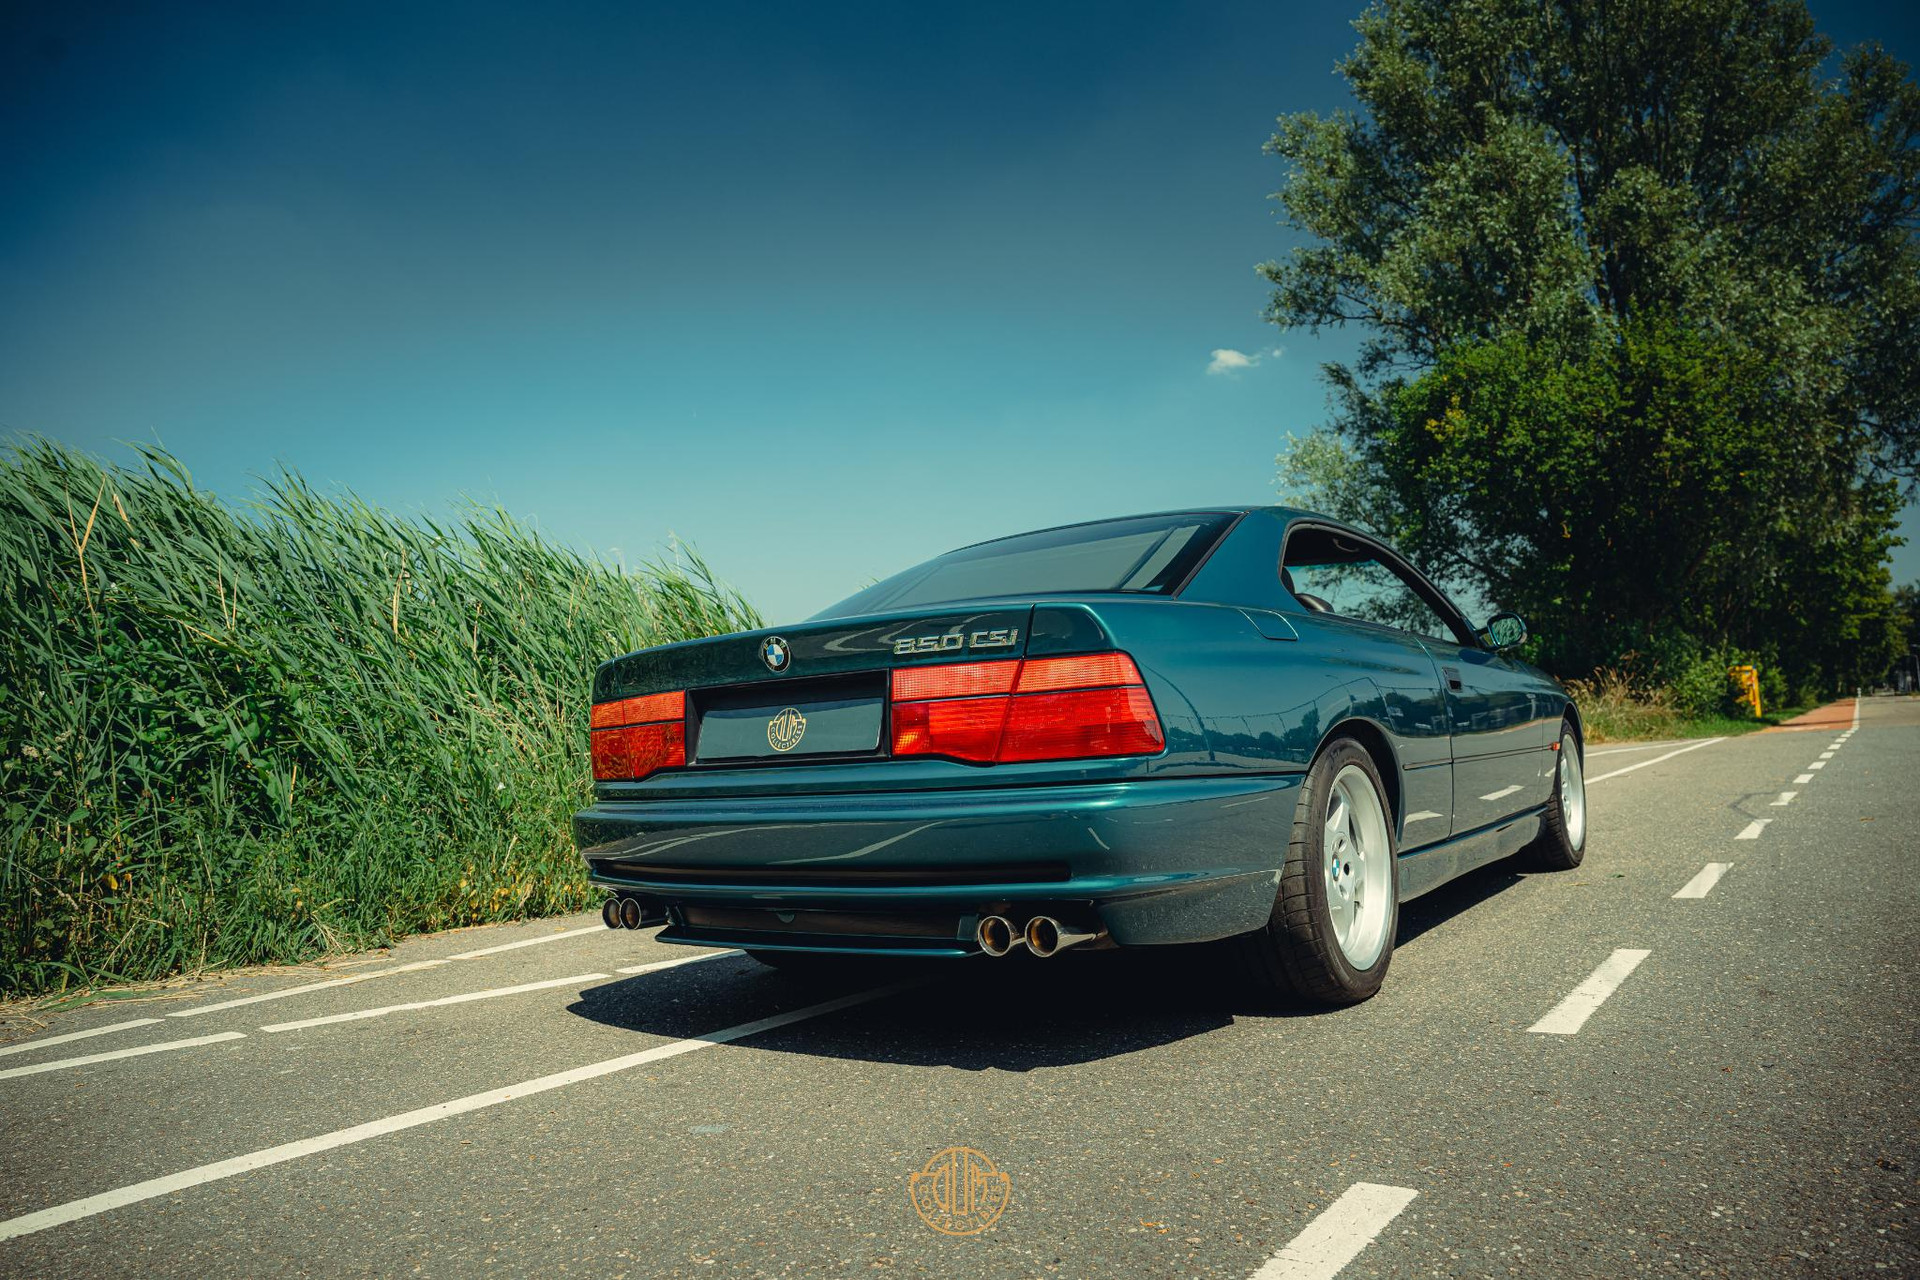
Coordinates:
[1014,1014]
[1434,909]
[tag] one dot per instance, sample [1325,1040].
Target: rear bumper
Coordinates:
[1166,860]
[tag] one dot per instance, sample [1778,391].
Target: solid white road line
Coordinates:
[77,1035]
[1572,1013]
[1702,884]
[529,942]
[311,986]
[1502,793]
[162,1047]
[658,965]
[1338,1234]
[1803,780]
[74,1210]
[464,998]
[1753,829]
[1643,746]
[1656,760]
[1786,798]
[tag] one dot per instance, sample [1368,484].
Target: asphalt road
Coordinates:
[1742,1101]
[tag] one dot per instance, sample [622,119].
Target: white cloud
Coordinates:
[1227,360]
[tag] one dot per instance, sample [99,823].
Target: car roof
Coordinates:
[1228,509]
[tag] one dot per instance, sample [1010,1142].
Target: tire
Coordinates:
[1300,950]
[1562,842]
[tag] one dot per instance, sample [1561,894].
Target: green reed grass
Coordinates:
[240,734]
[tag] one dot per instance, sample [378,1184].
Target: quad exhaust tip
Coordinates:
[1046,936]
[1043,935]
[997,936]
[621,913]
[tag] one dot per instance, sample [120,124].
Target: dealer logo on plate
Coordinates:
[785,730]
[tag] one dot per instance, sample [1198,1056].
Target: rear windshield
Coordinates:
[1150,554]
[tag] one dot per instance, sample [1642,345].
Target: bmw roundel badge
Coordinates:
[774,652]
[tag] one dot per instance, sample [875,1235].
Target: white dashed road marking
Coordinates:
[1702,884]
[1572,1013]
[528,942]
[464,998]
[300,991]
[1656,760]
[1753,829]
[74,1210]
[1786,798]
[658,965]
[77,1035]
[162,1047]
[1338,1234]
[1818,764]
[1803,779]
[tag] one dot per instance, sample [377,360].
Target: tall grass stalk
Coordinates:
[239,734]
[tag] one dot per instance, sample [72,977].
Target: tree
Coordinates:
[1666,267]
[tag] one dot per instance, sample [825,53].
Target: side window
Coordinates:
[1330,573]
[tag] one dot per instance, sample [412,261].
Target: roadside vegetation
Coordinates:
[1612,710]
[1638,292]
[234,734]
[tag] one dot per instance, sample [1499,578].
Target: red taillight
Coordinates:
[1037,709]
[626,750]
[964,728]
[1082,722]
[643,710]
[1038,675]
[955,680]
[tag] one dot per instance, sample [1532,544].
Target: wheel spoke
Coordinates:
[1336,818]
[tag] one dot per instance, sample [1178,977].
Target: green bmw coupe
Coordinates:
[1255,724]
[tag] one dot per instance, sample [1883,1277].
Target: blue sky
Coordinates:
[823,290]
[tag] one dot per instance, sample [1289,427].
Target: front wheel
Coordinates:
[1330,937]
[1562,841]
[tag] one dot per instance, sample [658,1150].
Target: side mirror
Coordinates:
[1505,631]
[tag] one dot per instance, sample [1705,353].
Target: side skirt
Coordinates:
[1425,870]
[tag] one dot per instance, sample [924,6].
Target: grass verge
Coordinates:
[258,733]
[1612,711]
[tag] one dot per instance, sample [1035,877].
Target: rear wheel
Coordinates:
[1330,937]
[1562,841]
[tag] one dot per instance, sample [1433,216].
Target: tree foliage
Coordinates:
[1642,296]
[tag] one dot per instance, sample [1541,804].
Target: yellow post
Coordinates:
[1749,679]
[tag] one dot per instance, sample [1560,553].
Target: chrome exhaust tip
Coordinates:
[610,913]
[1047,936]
[996,935]
[629,913]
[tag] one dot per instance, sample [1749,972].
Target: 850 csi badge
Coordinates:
[954,641]
[785,730]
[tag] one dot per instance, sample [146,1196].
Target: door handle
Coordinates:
[1453,678]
